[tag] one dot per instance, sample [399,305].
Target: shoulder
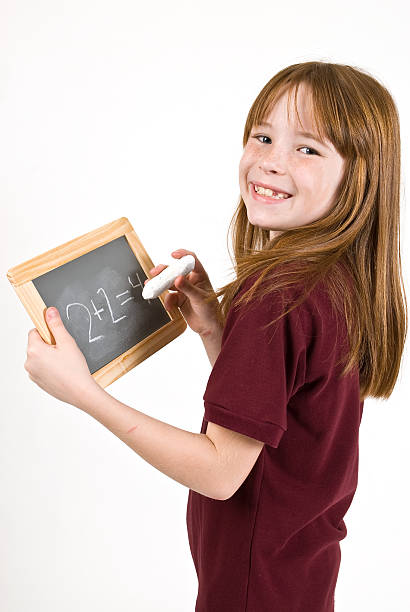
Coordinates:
[315,302]
[301,310]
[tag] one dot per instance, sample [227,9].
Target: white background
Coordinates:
[111,109]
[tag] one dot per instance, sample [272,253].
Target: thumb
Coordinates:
[56,325]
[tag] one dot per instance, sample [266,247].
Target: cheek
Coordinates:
[250,158]
[244,167]
[312,181]
[250,153]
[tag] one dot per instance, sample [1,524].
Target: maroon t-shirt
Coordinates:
[274,545]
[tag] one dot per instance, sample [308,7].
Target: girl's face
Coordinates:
[277,156]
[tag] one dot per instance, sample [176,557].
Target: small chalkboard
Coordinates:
[96,282]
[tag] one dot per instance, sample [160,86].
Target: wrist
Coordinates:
[89,395]
[212,341]
[213,332]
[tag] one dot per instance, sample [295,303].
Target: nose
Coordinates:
[273,161]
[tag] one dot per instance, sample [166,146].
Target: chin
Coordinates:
[258,223]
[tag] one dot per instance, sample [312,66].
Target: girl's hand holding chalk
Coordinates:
[191,290]
[166,278]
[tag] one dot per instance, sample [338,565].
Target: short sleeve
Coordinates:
[257,370]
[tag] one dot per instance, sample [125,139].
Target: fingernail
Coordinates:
[52,312]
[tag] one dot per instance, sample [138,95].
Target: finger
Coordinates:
[57,327]
[170,301]
[158,268]
[34,337]
[174,300]
[181,252]
[191,291]
[198,268]
[155,271]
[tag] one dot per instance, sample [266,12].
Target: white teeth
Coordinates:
[269,192]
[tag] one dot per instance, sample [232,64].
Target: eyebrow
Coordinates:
[305,134]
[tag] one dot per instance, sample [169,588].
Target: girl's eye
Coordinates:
[313,151]
[260,136]
[310,149]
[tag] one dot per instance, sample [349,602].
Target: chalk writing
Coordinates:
[98,311]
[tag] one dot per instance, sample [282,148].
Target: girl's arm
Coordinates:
[214,463]
[189,458]
[212,343]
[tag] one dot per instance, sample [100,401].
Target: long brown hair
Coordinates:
[361,232]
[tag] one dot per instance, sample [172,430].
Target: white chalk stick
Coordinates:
[155,286]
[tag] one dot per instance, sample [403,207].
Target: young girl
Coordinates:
[313,323]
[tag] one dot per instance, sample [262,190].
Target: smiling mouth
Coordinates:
[267,198]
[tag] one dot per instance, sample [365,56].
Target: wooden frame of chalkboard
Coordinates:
[153,327]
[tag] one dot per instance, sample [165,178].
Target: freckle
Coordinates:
[132,429]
